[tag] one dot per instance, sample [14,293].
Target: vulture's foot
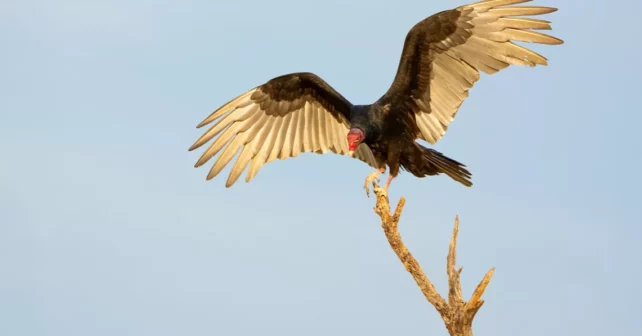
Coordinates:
[374,176]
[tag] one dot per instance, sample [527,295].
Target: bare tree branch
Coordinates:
[457,314]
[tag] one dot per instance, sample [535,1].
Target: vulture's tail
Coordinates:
[425,161]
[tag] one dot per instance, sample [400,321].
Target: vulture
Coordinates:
[440,62]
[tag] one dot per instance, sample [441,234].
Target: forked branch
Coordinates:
[457,314]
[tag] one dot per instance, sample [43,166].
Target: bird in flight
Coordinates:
[441,60]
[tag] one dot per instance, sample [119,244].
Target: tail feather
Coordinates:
[433,162]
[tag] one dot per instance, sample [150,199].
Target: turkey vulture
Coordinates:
[441,59]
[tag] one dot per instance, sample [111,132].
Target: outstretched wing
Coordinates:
[443,54]
[280,119]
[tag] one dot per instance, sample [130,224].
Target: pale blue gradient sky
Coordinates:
[107,229]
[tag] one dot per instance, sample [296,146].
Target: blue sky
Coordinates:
[107,229]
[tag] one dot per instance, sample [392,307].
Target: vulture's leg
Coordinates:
[372,177]
[390,177]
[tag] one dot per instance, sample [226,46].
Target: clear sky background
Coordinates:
[107,229]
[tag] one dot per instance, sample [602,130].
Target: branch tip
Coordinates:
[479,291]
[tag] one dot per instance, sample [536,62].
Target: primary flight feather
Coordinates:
[441,60]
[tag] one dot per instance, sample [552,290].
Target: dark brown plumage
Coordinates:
[439,64]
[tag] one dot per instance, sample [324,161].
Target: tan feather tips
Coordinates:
[238,102]
[522,35]
[522,10]
[497,25]
[484,5]
[497,20]
[524,23]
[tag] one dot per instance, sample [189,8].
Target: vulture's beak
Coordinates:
[351,154]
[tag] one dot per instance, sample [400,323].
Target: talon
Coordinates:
[371,178]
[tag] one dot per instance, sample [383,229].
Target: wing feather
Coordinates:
[280,138]
[239,166]
[321,130]
[241,101]
[310,129]
[258,146]
[297,146]
[288,142]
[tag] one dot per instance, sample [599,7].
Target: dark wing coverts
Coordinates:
[282,118]
[443,54]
